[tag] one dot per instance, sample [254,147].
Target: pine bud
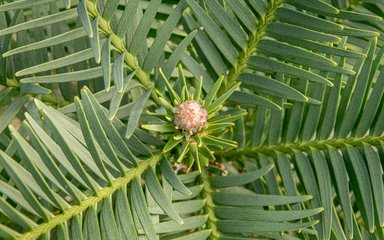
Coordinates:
[190,116]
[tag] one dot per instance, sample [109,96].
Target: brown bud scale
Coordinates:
[190,116]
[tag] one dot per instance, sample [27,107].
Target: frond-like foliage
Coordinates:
[292,141]
[76,180]
[328,149]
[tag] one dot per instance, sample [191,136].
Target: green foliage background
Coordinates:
[78,79]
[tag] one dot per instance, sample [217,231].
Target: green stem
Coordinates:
[91,200]
[12,83]
[51,98]
[118,43]
[208,209]
[251,47]
[304,146]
